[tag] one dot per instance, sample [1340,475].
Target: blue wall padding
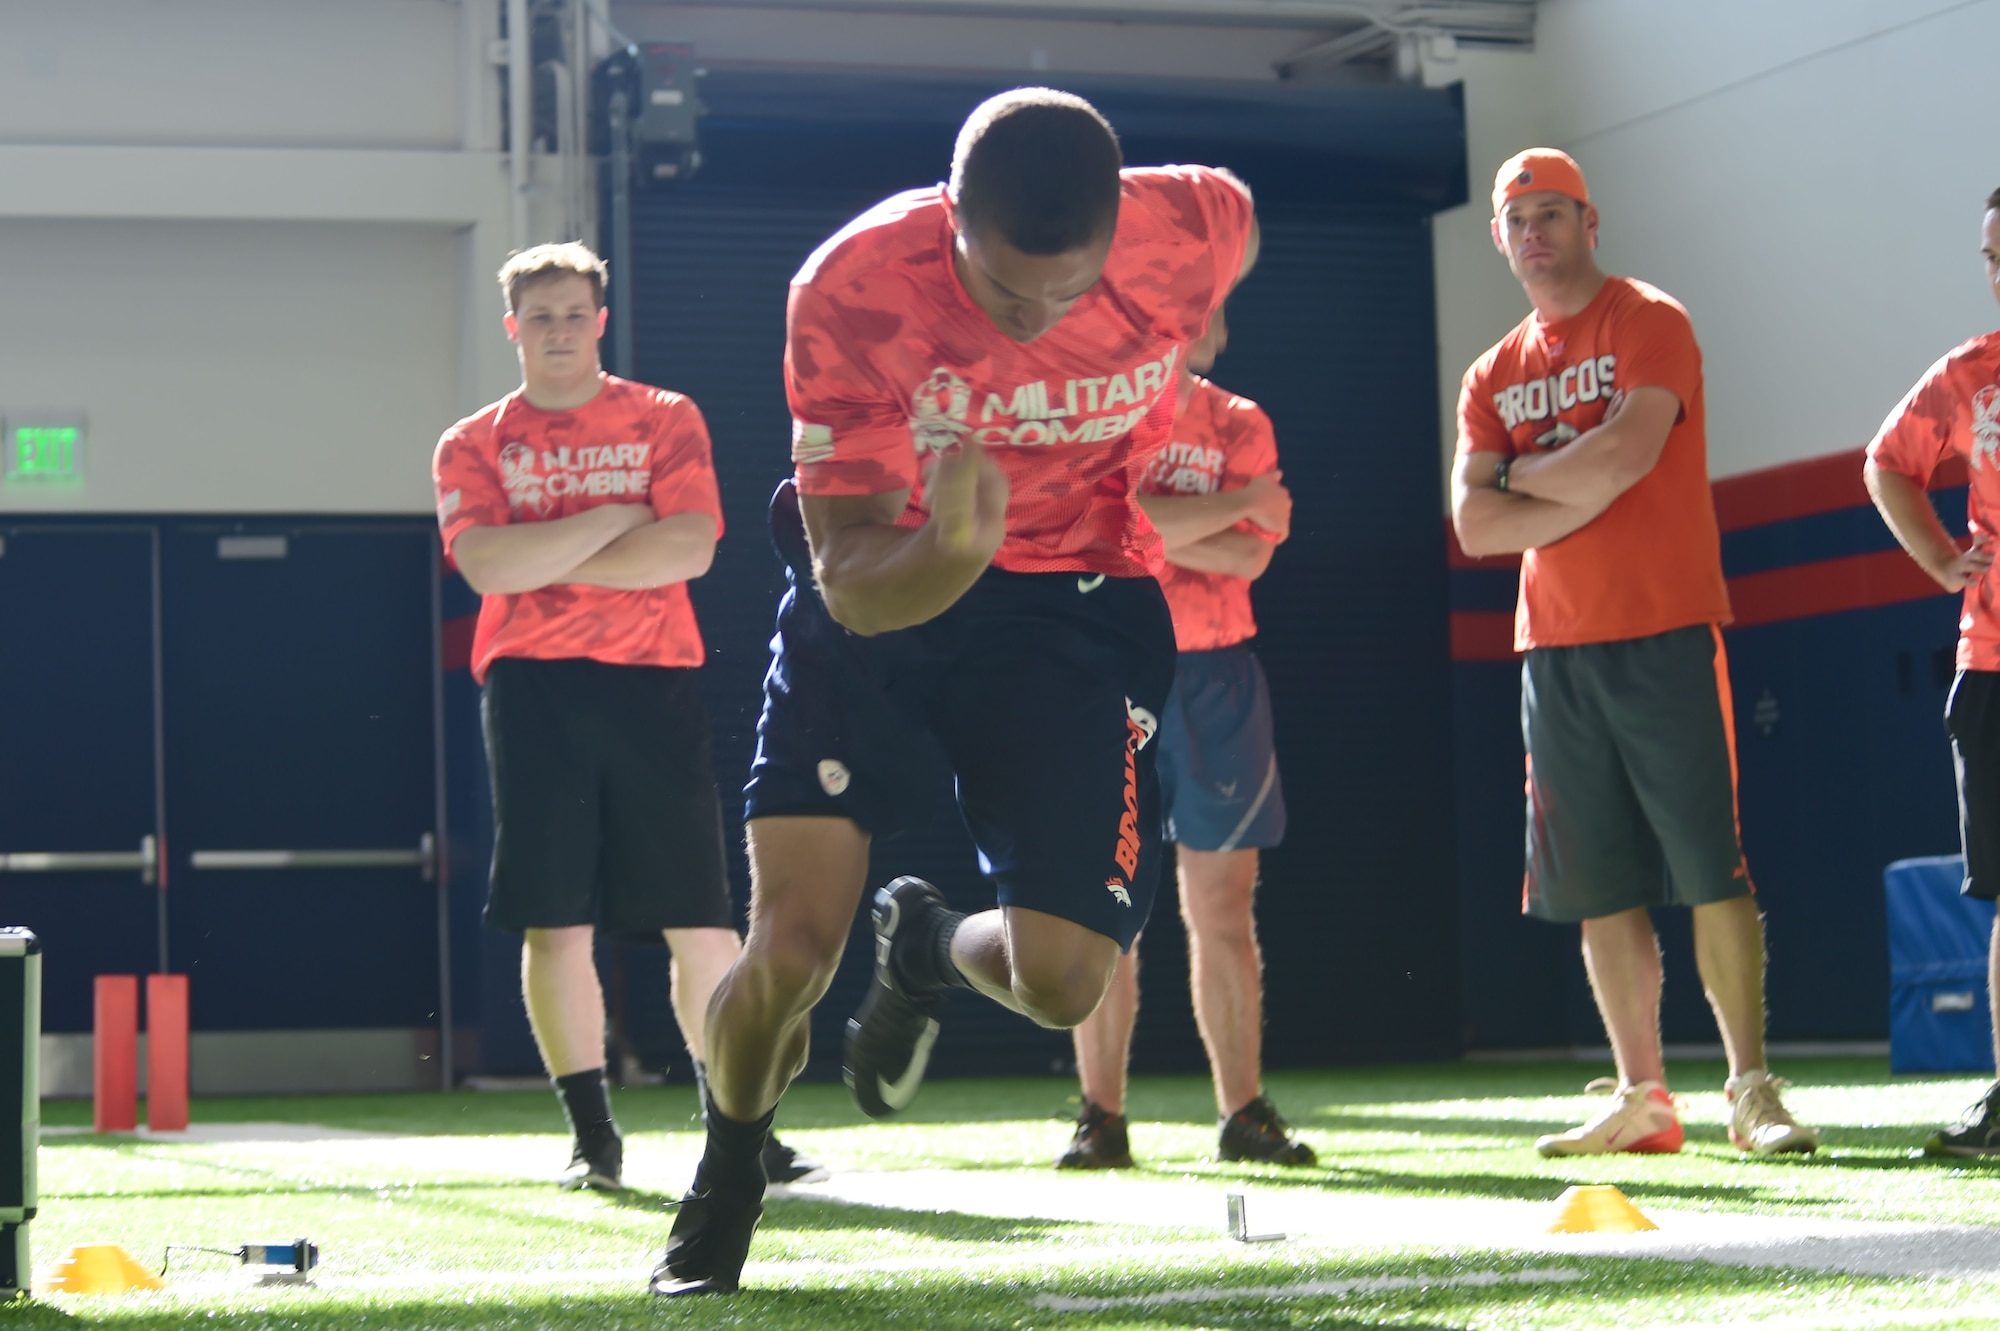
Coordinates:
[1938,943]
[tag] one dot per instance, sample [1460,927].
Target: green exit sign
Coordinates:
[44,450]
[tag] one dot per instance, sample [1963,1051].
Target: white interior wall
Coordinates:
[279,366]
[1808,178]
[253,244]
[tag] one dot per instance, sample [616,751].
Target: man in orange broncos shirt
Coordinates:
[1954,410]
[580,506]
[979,375]
[1217,498]
[1582,445]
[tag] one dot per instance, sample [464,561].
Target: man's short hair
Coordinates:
[1040,169]
[569,259]
[1993,200]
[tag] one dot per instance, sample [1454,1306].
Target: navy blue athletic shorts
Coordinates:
[1218,761]
[1041,692]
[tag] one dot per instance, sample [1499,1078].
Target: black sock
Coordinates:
[924,963]
[734,1153]
[586,1102]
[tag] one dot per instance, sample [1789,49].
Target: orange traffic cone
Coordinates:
[1597,1208]
[99,1268]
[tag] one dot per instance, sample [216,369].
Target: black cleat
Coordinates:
[709,1242]
[1976,1133]
[598,1164]
[889,1040]
[782,1164]
[1255,1132]
[1100,1141]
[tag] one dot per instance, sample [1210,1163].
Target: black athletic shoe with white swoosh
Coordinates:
[710,1239]
[889,1040]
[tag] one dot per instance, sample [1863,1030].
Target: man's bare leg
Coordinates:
[700,958]
[1729,952]
[1225,968]
[1052,971]
[1621,954]
[1993,983]
[806,880]
[1104,1040]
[565,1001]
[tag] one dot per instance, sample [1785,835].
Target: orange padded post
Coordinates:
[167,1053]
[116,1051]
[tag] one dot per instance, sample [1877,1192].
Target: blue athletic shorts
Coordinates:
[1218,764]
[1041,694]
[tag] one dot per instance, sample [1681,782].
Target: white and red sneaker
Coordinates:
[1640,1121]
[1758,1121]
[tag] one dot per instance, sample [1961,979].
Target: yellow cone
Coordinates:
[100,1268]
[1597,1208]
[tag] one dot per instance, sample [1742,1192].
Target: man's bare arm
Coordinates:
[676,548]
[876,577]
[1184,519]
[1497,522]
[527,556]
[1907,509]
[1240,554]
[1604,462]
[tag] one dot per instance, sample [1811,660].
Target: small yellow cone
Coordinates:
[1597,1208]
[100,1268]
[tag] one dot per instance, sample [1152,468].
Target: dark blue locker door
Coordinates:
[76,750]
[299,669]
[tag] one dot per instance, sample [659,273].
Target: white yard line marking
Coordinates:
[1310,1289]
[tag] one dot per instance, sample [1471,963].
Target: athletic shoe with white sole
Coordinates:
[1101,1141]
[1977,1131]
[1256,1132]
[1758,1122]
[598,1164]
[889,1040]
[710,1239]
[1640,1121]
[783,1164]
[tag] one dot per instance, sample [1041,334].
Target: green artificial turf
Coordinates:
[451,1221]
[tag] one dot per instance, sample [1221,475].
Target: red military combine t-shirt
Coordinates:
[514,462]
[888,362]
[1221,442]
[1955,409]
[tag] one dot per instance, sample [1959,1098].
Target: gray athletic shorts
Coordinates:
[1631,776]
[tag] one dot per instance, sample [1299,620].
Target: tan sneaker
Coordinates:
[1757,1119]
[1641,1121]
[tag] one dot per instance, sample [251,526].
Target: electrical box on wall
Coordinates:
[647,97]
[666,129]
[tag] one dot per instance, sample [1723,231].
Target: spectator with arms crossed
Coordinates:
[1582,445]
[580,506]
[1221,507]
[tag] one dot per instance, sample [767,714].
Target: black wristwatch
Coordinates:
[1500,474]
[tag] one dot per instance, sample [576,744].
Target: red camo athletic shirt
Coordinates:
[888,361]
[515,462]
[1955,408]
[1221,442]
[1653,560]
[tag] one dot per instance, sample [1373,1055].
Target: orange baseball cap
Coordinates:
[1534,171]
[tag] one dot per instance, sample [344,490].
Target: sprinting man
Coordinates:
[979,374]
[580,506]
[1954,410]
[1220,505]
[1582,444]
